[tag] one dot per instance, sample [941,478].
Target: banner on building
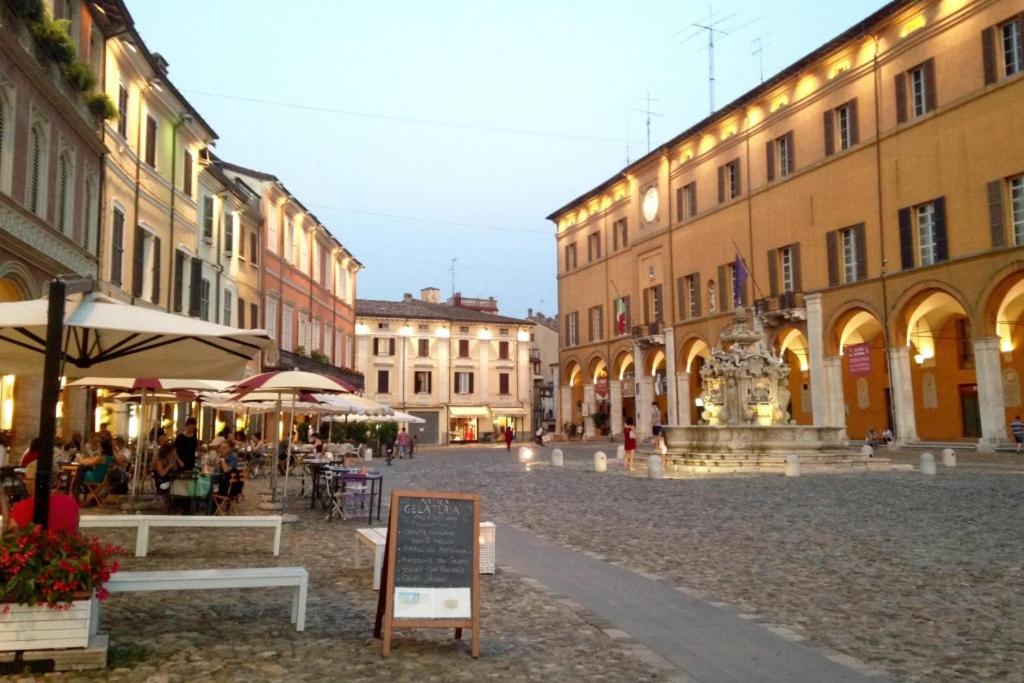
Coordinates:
[858,356]
[621,316]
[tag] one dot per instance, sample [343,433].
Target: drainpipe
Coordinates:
[218,246]
[171,249]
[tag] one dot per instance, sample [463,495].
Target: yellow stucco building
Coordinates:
[871,196]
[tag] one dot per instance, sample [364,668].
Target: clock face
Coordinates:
[650,204]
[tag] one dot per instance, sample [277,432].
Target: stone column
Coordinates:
[615,400]
[556,397]
[27,393]
[989,372]
[76,409]
[816,360]
[672,418]
[644,397]
[902,395]
[588,400]
[685,400]
[834,383]
[565,393]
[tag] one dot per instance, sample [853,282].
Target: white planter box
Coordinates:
[37,627]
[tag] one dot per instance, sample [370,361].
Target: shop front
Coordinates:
[504,418]
[464,424]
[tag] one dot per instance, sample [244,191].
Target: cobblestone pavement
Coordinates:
[920,576]
[526,633]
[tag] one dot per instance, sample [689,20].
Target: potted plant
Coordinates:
[48,582]
[600,420]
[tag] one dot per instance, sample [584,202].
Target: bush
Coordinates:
[101,106]
[79,76]
[30,10]
[319,356]
[53,38]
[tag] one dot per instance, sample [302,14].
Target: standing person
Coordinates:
[186,444]
[655,419]
[403,443]
[1017,429]
[508,439]
[629,438]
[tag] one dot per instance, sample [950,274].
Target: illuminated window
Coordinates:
[1017,208]
[1011,39]
[926,234]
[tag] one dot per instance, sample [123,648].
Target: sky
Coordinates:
[425,131]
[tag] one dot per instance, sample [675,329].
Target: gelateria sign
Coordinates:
[858,358]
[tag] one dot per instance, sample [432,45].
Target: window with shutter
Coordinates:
[503,384]
[254,315]
[926,234]
[830,141]
[35,179]
[1016,187]
[1012,46]
[64,189]
[227,309]
[941,242]
[997,231]
[901,98]
[117,247]
[195,288]
[138,262]
[693,294]
[155,283]
[770,159]
[860,234]
[832,250]
[502,350]
[150,142]
[422,382]
[773,272]
[423,348]
[463,348]
[724,286]
[208,219]
[229,232]
[383,381]
[241,313]
[122,110]
[186,178]
[204,300]
[254,253]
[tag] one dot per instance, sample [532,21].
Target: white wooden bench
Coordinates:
[217,579]
[143,523]
[376,538]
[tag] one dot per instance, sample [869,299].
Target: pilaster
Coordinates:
[989,372]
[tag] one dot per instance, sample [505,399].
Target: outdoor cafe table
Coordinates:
[374,478]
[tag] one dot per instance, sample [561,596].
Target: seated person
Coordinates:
[63,513]
[32,454]
[122,465]
[92,447]
[167,463]
[96,467]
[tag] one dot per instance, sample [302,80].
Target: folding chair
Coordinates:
[95,492]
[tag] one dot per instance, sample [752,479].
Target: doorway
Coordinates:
[970,412]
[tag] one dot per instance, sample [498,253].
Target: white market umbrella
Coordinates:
[107,338]
[86,333]
[288,383]
[353,404]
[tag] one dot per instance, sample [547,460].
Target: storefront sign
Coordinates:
[858,356]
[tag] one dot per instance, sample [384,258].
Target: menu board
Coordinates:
[431,560]
[434,558]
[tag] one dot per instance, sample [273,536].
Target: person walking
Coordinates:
[629,438]
[655,419]
[404,441]
[1017,430]
[508,439]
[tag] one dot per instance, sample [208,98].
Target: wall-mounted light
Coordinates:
[919,358]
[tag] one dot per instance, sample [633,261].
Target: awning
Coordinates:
[509,412]
[468,411]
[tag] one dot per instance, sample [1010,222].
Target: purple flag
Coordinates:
[739,280]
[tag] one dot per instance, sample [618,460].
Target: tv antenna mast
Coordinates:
[714,26]
[452,269]
[647,110]
[759,53]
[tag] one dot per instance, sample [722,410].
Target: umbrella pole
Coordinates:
[277,449]
[139,458]
[288,460]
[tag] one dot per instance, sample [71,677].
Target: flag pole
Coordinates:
[753,280]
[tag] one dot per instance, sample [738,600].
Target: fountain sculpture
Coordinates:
[746,424]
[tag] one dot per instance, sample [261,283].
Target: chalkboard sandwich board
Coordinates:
[431,560]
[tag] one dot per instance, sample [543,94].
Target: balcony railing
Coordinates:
[648,330]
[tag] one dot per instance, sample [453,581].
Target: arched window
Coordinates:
[36,145]
[65,192]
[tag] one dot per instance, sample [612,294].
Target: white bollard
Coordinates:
[654,469]
[928,464]
[620,453]
[556,458]
[867,450]
[600,462]
[948,457]
[793,465]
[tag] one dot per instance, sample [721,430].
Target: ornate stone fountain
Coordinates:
[747,425]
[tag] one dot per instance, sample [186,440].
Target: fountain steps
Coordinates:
[753,462]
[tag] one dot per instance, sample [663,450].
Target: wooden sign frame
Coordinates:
[386,621]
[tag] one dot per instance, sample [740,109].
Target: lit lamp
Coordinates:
[487,534]
[919,358]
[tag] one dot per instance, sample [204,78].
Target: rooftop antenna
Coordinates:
[649,113]
[453,276]
[712,25]
[759,53]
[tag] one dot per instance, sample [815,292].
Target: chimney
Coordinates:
[431,295]
[529,313]
[406,298]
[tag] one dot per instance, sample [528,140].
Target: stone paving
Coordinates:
[526,634]
[919,576]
